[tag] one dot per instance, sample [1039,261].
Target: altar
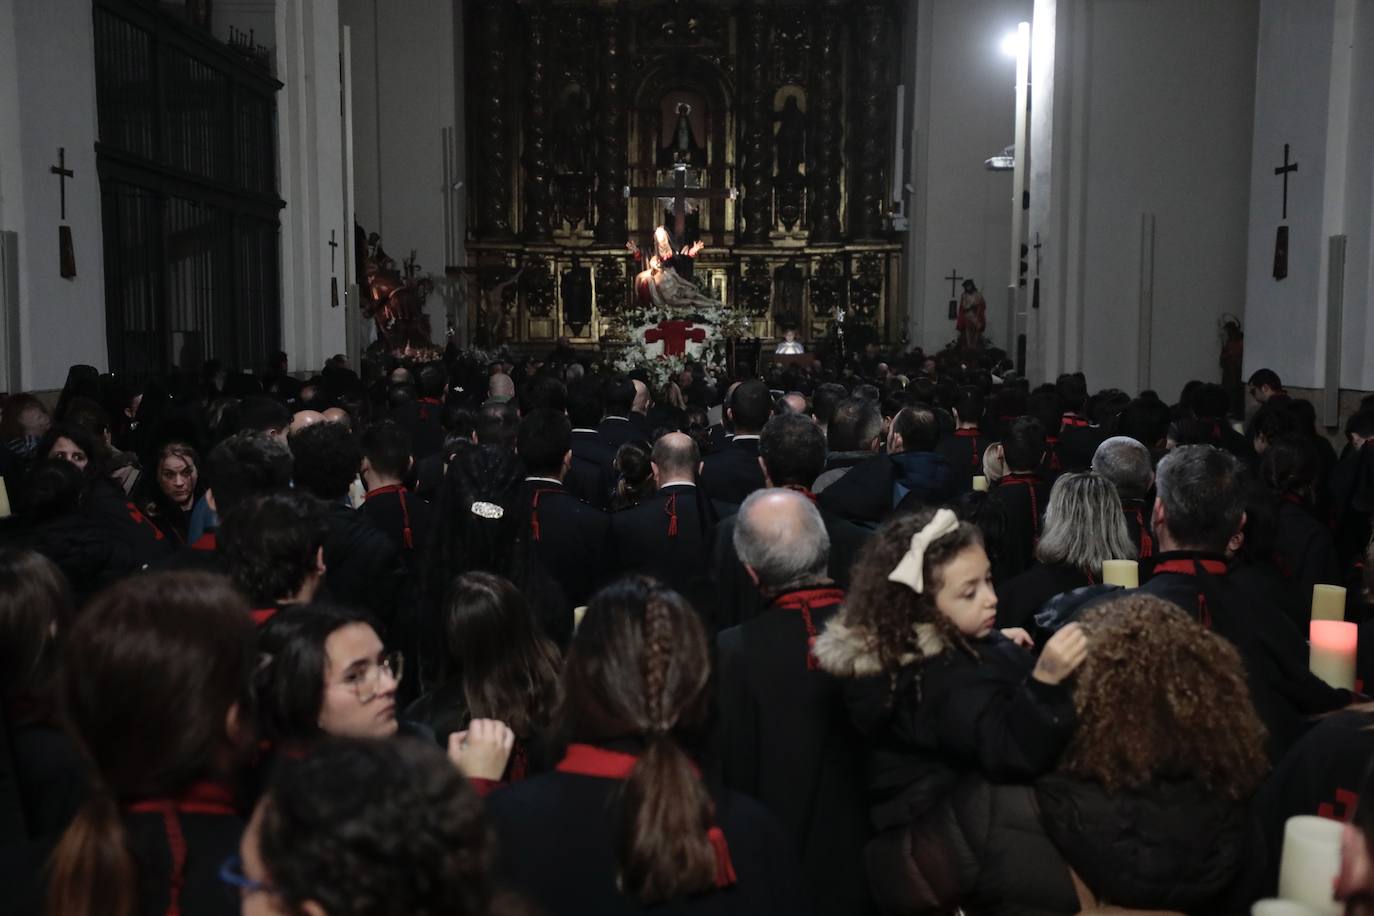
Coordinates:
[753,108]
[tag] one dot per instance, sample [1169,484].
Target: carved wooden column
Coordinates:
[758,136]
[827,128]
[872,108]
[493,124]
[538,169]
[612,161]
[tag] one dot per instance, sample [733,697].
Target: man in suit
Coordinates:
[668,534]
[733,473]
[617,427]
[792,454]
[569,538]
[590,476]
[785,736]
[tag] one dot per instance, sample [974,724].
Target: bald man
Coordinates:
[668,534]
[305,418]
[500,388]
[785,737]
[338,415]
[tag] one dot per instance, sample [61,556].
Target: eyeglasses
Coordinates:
[231,873]
[366,683]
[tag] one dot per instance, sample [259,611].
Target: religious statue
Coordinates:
[973,317]
[576,286]
[682,147]
[790,139]
[789,283]
[666,280]
[395,302]
[789,345]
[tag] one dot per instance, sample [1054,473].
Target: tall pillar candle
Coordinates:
[1311,859]
[1332,652]
[980,483]
[1125,573]
[1328,602]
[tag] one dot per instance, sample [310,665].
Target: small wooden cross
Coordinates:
[333,246]
[678,191]
[1284,170]
[62,173]
[953,279]
[1037,246]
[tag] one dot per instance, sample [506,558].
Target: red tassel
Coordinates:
[725,869]
[1203,612]
[671,508]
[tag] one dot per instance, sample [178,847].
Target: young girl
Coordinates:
[934,686]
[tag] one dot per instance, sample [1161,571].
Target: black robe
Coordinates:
[1021,596]
[363,569]
[591,477]
[733,473]
[1285,692]
[1304,554]
[1011,518]
[963,451]
[571,540]
[555,835]
[1137,512]
[427,435]
[616,431]
[738,599]
[872,490]
[786,739]
[668,536]
[403,517]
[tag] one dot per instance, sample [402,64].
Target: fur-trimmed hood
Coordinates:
[846,651]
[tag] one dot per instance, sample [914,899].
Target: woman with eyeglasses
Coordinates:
[156,686]
[625,820]
[367,828]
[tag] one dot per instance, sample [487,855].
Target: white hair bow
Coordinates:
[911,571]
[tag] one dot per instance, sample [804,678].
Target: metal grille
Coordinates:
[187,160]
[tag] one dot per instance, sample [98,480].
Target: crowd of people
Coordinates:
[535,636]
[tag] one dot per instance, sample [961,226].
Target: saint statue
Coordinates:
[666,280]
[973,317]
[682,147]
[395,301]
[789,345]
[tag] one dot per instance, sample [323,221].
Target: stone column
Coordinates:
[826,127]
[493,124]
[537,168]
[612,161]
[758,135]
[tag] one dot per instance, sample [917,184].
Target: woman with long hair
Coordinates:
[368,828]
[1084,527]
[1304,550]
[625,820]
[156,687]
[176,487]
[634,476]
[499,666]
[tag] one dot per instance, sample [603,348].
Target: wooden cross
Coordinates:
[1284,170]
[1037,247]
[333,246]
[953,279]
[62,173]
[678,191]
[674,335]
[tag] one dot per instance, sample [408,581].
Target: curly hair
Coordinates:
[1162,697]
[886,612]
[375,828]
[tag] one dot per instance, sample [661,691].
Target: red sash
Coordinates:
[803,602]
[590,760]
[534,509]
[1028,481]
[971,432]
[1190,567]
[200,798]
[262,615]
[407,536]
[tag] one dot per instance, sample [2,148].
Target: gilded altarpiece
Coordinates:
[571,103]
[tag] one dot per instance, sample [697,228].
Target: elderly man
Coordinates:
[500,388]
[1126,463]
[785,736]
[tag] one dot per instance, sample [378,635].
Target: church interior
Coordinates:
[894,456]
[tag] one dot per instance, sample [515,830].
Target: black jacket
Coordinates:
[1021,596]
[948,715]
[592,474]
[403,517]
[963,452]
[786,739]
[874,488]
[1012,518]
[363,569]
[570,539]
[1137,513]
[616,431]
[668,536]
[1304,553]
[733,473]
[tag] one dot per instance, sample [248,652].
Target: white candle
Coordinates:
[980,483]
[1328,602]
[1332,652]
[1275,907]
[4,500]
[1311,859]
[578,613]
[1125,573]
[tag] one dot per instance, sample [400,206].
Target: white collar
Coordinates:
[676,483]
[738,438]
[545,480]
[626,419]
[582,429]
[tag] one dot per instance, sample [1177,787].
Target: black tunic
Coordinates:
[1137,512]
[571,539]
[786,739]
[363,569]
[1021,596]
[1304,553]
[1285,692]
[403,517]
[963,451]
[668,536]
[1012,517]
[616,431]
[555,847]
[733,473]
[592,474]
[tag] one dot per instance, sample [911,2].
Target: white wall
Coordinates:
[405,62]
[965,112]
[1155,118]
[1315,78]
[47,100]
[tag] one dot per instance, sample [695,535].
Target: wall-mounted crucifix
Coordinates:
[62,173]
[953,279]
[1284,170]
[333,248]
[1035,288]
[333,279]
[66,250]
[1281,236]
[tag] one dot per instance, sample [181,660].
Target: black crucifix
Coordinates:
[1035,289]
[1281,237]
[62,173]
[679,192]
[66,250]
[953,279]
[333,280]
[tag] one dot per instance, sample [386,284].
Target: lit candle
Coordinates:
[1332,656]
[980,483]
[578,613]
[1311,859]
[4,500]
[1125,573]
[1328,602]
[1275,907]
